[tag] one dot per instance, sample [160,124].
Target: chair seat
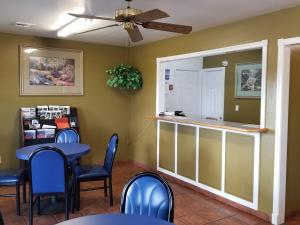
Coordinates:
[90,172]
[8,177]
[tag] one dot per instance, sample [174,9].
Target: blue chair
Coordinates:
[148,194]
[68,135]
[98,172]
[14,178]
[48,175]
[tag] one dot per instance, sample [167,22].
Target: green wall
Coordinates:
[186,154]
[101,109]
[249,109]
[239,162]
[272,26]
[210,158]
[293,153]
[166,143]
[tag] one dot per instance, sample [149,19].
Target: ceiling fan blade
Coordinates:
[176,28]
[135,34]
[100,28]
[91,17]
[153,14]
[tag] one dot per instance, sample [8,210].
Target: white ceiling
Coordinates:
[200,14]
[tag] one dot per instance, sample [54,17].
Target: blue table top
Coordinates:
[115,219]
[72,150]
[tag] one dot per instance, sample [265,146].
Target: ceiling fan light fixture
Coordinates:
[128,25]
[124,14]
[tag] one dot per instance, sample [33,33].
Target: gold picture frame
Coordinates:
[51,71]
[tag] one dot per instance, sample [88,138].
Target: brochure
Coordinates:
[45,133]
[29,134]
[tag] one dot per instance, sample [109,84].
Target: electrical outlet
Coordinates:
[237,108]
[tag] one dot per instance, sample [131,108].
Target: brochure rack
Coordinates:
[36,129]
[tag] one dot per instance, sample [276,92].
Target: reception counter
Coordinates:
[217,156]
[217,124]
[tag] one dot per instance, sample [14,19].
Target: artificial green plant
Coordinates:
[124,77]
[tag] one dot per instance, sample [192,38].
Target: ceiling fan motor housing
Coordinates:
[125,14]
[130,18]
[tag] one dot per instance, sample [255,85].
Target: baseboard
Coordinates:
[253,212]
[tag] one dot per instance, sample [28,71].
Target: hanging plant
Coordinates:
[124,77]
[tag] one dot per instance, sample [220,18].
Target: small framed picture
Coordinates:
[248,80]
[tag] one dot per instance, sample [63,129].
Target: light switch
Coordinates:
[237,108]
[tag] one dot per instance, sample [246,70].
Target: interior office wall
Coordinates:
[271,26]
[102,110]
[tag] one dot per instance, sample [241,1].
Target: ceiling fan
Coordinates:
[129,18]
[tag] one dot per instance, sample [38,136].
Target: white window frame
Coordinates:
[236,48]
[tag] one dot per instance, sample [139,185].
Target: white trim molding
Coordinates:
[281,127]
[160,87]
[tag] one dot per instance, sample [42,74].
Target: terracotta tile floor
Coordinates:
[190,207]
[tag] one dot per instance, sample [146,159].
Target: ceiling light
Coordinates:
[65,18]
[30,50]
[75,26]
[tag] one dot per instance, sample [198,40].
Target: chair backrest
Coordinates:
[68,135]
[148,194]
[48,171]
[111,152]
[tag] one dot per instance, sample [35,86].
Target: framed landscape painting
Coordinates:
[248,80]
[50,71]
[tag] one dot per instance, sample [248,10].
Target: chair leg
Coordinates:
[110,191]
[67,206]
[77,195]
[72,204]
[72,197]
[30,209]
[18,198]
[24,189]
[105,187]
[39,205]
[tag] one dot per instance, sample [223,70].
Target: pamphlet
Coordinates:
[29,134]
[28,112]
[45,133]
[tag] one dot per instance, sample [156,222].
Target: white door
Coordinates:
[185,91]
[212,93]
